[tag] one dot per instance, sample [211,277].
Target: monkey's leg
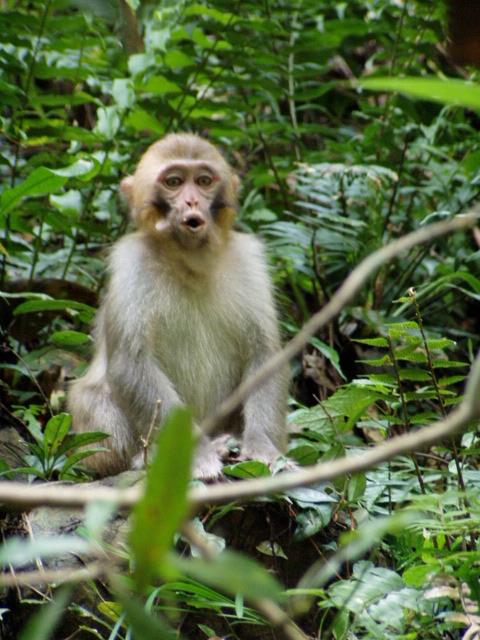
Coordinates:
[93,409]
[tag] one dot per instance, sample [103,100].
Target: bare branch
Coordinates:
[22,496]
[69,575]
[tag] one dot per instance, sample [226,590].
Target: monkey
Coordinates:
[188,314]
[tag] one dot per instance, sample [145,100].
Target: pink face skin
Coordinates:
[189,188]
[188,185]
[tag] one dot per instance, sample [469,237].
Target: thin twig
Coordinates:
[146,440]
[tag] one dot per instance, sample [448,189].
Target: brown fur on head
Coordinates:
[142,188]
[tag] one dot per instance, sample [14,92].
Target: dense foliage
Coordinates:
[331,170]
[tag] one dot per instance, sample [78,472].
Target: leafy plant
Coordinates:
[54,453]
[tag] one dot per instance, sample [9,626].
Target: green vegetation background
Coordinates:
[300,96]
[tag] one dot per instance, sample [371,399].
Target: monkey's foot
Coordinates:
[224,445]
[269,455]
[264,452]
[208,462]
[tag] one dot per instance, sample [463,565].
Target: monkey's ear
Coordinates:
[127,187]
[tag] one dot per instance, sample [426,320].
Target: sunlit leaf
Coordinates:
[70,338]
[55,430]
[247,469]
[447,91]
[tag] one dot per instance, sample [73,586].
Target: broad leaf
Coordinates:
[163,508]
[448,91]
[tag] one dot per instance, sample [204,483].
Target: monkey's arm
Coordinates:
[128,326]
[264,413]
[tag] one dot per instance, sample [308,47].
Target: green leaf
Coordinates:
[448,91]
[247,469]
[159,85]
[75,458]
[341,625]
[70,338]
[76,440]
[5,470]
[445,364]
[108,122]
[35,430]
[441,343]
[123,92]
[273,549]
[356,487]
[52,305]
[418,375]
[78,169]
[141,121]
[162,509]
[330,353]
[417,575]
[55,431]
[139,62]
[306,496]
[232,573]
[304,454]
[176,59]
[310,521]
[402,326]
[203,10]
[377,362]
[41,181]
[373,342]
[410,354]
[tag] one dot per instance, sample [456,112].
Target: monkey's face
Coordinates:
[185,194]
[183,190]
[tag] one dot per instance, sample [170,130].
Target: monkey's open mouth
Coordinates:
[193,222]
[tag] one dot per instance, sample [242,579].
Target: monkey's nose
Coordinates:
[193,221]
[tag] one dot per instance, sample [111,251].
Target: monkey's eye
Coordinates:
[172,182]
[204,181]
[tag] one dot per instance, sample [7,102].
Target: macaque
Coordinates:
[188,314]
